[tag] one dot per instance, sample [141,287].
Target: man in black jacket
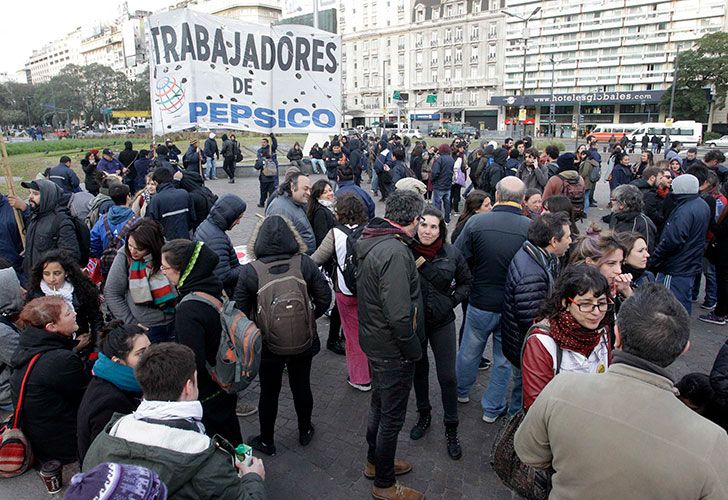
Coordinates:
[391,333]
[489,241]
[654,186]
[531,277]
[173,208]
[66,178]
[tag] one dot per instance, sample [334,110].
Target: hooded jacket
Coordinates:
[189,463]
[682,242]
[637,222]
[117,217]
[90,180]
[621,174]
[391,311]
[53,393]
[275,239]
[442,171]
[210,148]
[555,185]
[198,325]
[355,157]
[10,243]
[174,209]
[49,226]
[65,177]
[653,204]
[10,304]
[493,173]
[284,205]
[128,155]
[530,279]
[213,232]
[350,187]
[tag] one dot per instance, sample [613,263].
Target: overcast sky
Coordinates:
[30,25]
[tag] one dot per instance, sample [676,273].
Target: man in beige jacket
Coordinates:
[624,434]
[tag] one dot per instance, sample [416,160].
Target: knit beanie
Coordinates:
[566,161]
[117,482]
[685,184]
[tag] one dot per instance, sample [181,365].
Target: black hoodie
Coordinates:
[53,393]
[495,172]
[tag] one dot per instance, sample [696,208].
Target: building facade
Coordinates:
[609,59]
[49,60]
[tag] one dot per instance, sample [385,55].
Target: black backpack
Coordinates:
[83,236]
[348,267]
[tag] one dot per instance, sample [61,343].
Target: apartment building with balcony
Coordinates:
[616,56]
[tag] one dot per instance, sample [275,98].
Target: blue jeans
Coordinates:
[210,168]
[587,195]
[479,324]
[711,284]
[375,181]
[317,162]
[440,198]
[680,286]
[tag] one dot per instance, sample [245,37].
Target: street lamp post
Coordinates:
[552,125]
[525,48]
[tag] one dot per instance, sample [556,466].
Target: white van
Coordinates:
[688,132]
[603,132]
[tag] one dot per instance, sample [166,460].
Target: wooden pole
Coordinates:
[11,187]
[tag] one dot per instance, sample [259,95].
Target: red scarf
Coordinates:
[429,251]
[569,334]
[662,192]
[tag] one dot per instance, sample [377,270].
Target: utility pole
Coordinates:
[552,117]
[315,14]
[525,48]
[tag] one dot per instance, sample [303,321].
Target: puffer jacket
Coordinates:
[391,312]
[637,222]
[682,243]
[53,393]
[174,209]
[49,226]
[213,232]
[531,276]
[442,171]
[188,462]
[445,282]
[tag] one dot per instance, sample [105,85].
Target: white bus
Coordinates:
[688,132]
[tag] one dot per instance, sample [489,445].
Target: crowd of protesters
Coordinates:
[113,302]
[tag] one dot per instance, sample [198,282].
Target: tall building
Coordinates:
[49,60]
[615,57]
[254,11]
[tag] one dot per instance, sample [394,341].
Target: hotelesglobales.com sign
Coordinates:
[626,97]
[215,72]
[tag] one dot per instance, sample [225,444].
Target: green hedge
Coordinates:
[541,145]
[115,143]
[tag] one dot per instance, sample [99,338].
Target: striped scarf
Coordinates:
[156,288]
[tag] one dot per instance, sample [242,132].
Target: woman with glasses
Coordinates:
[570,336]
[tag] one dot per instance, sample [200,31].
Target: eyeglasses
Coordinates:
[162,267]
[587,308]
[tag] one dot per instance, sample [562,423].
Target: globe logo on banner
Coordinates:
[171,94]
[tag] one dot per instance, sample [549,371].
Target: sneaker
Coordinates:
[245,409]
[361,387]
[492,420]
[713,318]
[257,443]
[707,306]
[463,399]
[454,450]
[484,364]
[305,438]
[400,467]
[419,429]
[397,491]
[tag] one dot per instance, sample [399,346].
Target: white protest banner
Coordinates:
[216,72]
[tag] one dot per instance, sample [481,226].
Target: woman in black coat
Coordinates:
[190,266]
[56,382]
[113,388]
[445,281]
[275,240]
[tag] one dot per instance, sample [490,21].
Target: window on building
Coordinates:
[476,6]
[458,55]
[433,38]
[493,31]
[420,14]
[448,74]
[494,4]
[461,8]
[448,35]
[459,34]
[448,10]
[418,60]
[418,40]
[448,56]
[433,59]
[458,74]
[491,51]
[474,32]
[435,13]
[400,43]
[474,54]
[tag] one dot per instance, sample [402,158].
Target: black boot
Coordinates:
[453,443]
[423,423]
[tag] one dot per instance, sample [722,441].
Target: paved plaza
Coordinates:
[331,466]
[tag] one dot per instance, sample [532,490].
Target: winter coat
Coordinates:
[585,170]
[493,173]
[331,161]
[140,169]
[192,157]
[653,204]
[127,156]
[53,393]
[213,232]
[112,166]
[88,314]
[284,205]
[316,153]
[535,177]
[295,154]
[119,302]
[682,242]
[530,279]
[719,376]
[441,175]
[11,246]
[275,241]
[621,174]
[48,226]
[210,148]
[188,462]
[488,241]
[445,282]
[65,177]
[90,180]
[556,184]
[322,222]
[174,209]
[351,187]
[513,166]
[100,402]
[637,222]
[228,149]
[391,311]
[10,304]
[117,217]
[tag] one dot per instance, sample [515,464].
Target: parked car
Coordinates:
[721,142]
[441,132]
[412,133]
[62,133]
[120,130]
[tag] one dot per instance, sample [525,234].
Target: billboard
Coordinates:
[216,72]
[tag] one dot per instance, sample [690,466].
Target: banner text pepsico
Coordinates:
[215,72]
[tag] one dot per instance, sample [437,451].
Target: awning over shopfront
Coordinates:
[631,97]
